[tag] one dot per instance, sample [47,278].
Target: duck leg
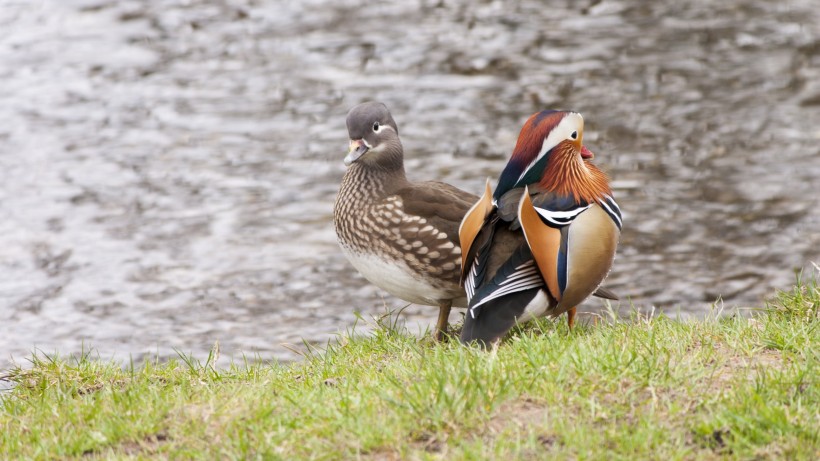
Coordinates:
[443,316]
[571,317]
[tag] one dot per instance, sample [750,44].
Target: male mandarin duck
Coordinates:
[402,236]
[546,239]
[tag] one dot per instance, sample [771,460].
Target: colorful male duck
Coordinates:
[546,239]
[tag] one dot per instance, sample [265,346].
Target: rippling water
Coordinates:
[169,167]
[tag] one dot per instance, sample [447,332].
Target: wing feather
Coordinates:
[518,273]
[544,242]
[474,220]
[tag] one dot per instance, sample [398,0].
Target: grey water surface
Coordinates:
[169,167]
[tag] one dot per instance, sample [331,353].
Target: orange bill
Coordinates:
[472,222]
[544,242]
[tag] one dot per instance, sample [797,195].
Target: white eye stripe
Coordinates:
[572,122]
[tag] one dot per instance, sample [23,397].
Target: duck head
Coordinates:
[374,137]
[550,153]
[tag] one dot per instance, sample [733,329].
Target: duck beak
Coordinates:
[586,154]
[356,150]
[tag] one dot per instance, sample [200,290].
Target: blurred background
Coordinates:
[169,167]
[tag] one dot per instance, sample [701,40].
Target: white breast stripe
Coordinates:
[612,209]
[560,214]
[611,200]
[561,218]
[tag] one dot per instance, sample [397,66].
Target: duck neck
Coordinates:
[570,175]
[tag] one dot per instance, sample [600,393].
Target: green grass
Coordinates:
[731,387]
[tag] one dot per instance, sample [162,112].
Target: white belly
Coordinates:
[537,307]
[400,281]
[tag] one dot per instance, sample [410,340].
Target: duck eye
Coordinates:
[574,135]
[376,126]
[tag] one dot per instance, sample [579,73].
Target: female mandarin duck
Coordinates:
[546,239]
[402,236]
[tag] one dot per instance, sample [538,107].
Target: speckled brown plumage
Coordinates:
[416,224]
[401,235]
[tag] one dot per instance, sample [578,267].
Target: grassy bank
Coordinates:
[730,388]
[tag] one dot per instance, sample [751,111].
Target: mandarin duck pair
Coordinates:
[538,246]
